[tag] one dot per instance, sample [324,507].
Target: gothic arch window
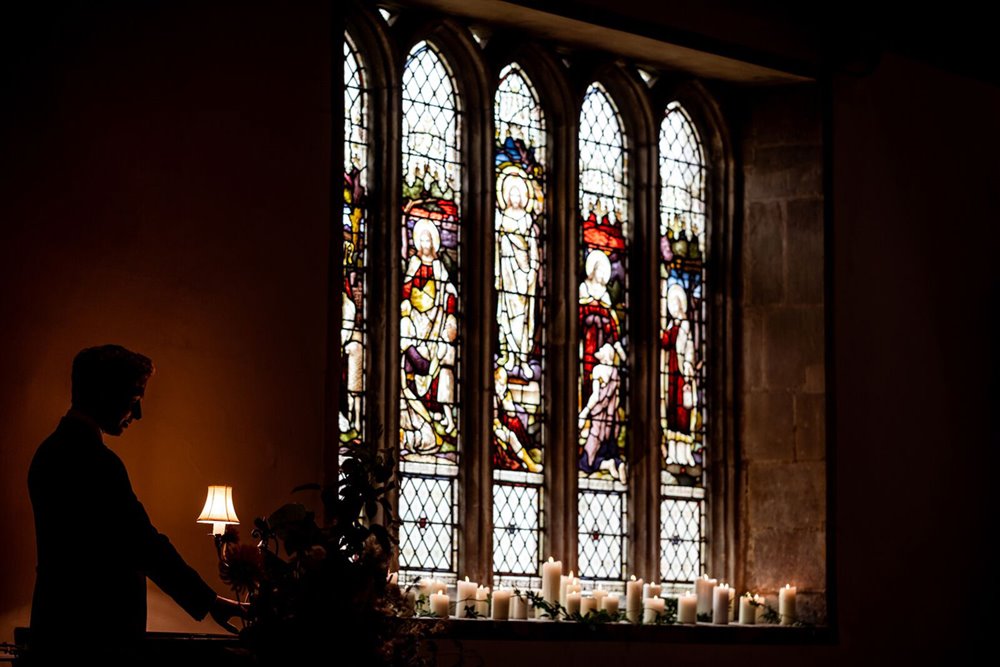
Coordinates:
[508,229]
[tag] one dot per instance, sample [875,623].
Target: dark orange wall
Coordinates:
[166,187]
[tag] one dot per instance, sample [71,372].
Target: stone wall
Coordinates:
[782,429]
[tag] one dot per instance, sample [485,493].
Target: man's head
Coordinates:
[108,385]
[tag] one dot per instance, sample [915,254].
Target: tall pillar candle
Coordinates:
[748,612]
[482,601]
[720,606]
[572,603]
[703,589]
[551,578]
[439,604]
[653,607]
[501,605]
[633,600]
[465,597]
[786,604]
[519,607]
[687,608]
[588,603]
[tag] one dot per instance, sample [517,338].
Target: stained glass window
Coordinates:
[519,279]
[602,310]
[354,325]
[682,362]
[430,315]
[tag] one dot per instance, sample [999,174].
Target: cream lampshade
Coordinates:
[219,509]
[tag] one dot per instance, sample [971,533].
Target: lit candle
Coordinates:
[572,603]
[611,603]
[501,605]
[599,595]
[651,590]
[551,578]
[786,604]
[564,586]
[482,601]
[588,603]
[703,589]
[720,606]
[633,599]
[653,607]
[748,612]
[439,604]
[519,607]
[687,608]
[465,597]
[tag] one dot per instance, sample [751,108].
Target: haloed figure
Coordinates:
[96,544]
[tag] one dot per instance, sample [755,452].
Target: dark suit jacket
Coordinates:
[96,546]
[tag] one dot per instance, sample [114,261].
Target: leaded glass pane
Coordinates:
[680,539]
[427,537]
[429,311]
[602,536]
[683,342]
[603,337]
[516,544]
[354,327]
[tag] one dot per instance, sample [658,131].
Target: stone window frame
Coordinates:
[384,48]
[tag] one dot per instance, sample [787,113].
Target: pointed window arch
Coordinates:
[520,166]
[354,304]
[430,315]
[683,358]
[602,309]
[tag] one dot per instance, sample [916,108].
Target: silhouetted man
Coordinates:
[96,545]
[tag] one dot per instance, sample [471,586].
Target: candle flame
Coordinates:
[466,578]
[571,574]
[550,559]
[632,578]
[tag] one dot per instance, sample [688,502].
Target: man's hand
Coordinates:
[224,609]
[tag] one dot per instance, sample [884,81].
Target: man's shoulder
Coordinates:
[71,449]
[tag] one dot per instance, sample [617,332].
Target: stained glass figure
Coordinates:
[519,170]
[603,334]
[430,315]
[683,372]
[429,311]
[353,331]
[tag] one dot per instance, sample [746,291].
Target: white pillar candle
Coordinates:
[564,584]
[501,605]
[599,595]
[611,603]
[703,589]
[687,608]
[551,578]
[439,604]
[572,603]
[748,612]
[519,607]
[720,606]
[651,590]
[633,599]
[482,601]
[732,604]
[786,604]
[652,608]
[588,603]
[465,597]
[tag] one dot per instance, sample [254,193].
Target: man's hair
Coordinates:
[107,370]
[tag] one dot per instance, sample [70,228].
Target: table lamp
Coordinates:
[219,510]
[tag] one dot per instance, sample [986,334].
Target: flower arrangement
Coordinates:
[320,590]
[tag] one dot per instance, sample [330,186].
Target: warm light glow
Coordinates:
[219,510]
